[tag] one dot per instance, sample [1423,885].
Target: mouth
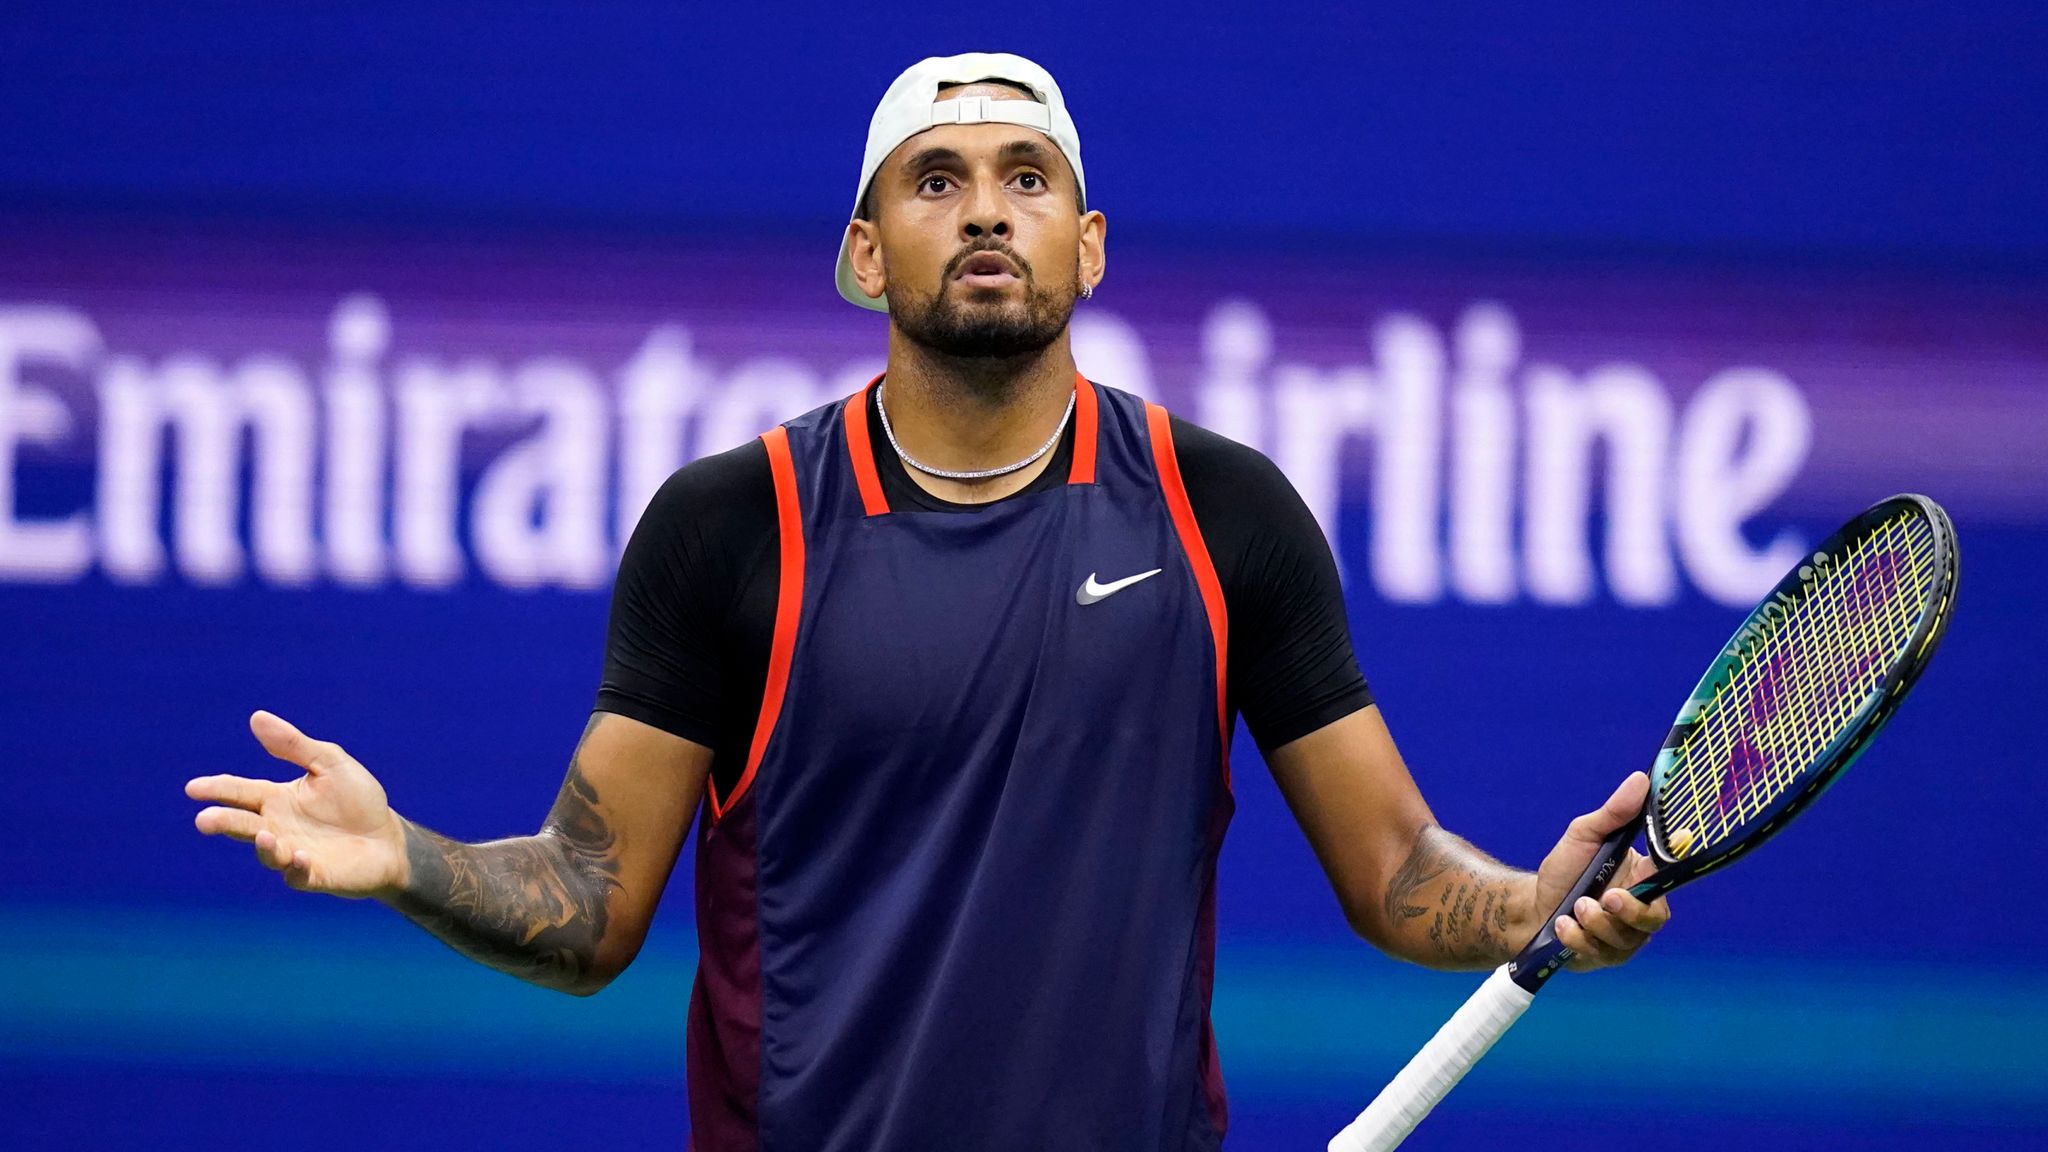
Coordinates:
[986,270]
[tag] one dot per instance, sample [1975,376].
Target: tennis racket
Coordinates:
[1789,703]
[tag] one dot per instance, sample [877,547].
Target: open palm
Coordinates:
[330,830]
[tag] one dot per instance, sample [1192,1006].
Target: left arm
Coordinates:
[1419,892]
[1407,885]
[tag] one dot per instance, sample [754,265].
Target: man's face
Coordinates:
[976,234]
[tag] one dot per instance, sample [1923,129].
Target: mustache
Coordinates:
[987,244]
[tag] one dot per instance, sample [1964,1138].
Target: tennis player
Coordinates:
[947,671]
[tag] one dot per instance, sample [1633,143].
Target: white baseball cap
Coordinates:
[911,106]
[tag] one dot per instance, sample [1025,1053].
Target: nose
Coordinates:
[984,212]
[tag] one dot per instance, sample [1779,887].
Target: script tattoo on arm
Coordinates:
[531,906]
[1450,905]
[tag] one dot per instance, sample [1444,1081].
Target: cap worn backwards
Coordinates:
[911,105]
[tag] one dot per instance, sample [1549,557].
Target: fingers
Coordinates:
[1592,948]
[1643,918]
[299,873]
[282,740]
[270,849]
[1588,952]
[1624,905]
[235,791]
[237,801]
[1610,930]
[1623,806]
[233,823]
[280,855]
[1606,927]
[1636,869]
[1627,801]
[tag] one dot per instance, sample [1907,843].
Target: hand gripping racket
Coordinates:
[1788,704]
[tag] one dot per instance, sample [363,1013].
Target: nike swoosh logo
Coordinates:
[1090,591]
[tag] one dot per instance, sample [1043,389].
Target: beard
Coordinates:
[955,323]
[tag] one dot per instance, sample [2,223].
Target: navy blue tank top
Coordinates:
[963,894]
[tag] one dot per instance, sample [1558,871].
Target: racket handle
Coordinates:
[1443,1062]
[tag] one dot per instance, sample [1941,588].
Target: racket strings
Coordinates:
[1831,651]
[1797,690]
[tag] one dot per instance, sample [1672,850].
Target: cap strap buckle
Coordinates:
[988,110]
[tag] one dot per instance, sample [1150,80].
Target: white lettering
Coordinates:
[1744,439]
[1313,415]
[658,388]
[1622,405]
[1406,476]
[1483,479]
[1400,406]
[1110,351]
[49,550]
[209,410]
[359,333]
[759,395]
[539,511]
[1237,342]
[435,406]
[1482,476]
[130,439]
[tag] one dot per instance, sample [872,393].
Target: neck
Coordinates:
[970,414]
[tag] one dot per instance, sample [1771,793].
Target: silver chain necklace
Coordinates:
[985,473]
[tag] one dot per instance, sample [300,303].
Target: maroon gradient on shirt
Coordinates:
[724,1045]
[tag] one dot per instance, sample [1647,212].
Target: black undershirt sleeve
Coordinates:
[1292,669]
[693,610]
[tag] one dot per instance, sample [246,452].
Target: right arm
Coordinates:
[566,908]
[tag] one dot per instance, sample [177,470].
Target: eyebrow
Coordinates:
[1028,150]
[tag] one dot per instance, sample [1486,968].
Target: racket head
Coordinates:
[1796,694]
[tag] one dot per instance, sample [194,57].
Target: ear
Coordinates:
[1094,253]
[864,253]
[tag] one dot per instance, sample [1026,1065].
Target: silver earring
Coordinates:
[1087,291]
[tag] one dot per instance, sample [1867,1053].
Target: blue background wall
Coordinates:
[1850,202]
[1905,127]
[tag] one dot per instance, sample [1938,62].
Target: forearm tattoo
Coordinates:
[1459,901]
[533,906]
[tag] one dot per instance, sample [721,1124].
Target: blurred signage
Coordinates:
[368,462]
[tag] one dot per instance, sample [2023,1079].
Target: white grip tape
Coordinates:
[1458,1045]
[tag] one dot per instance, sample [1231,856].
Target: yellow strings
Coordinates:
[1795,692]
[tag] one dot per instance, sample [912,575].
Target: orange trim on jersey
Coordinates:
[862,450]
[1183,513]
[789,600]
[1084,432]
